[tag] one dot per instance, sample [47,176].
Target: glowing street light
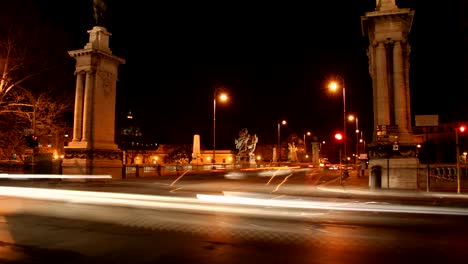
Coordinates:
[305,145]
[462,129]
[279,139]
[355,118]
[222,97]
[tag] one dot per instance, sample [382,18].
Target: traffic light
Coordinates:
[462,128]
[338,136]
[32,141]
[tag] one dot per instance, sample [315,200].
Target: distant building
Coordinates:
[138,147]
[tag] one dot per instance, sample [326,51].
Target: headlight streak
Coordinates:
[178,178]
[285,179]
[232,199]
[176,189]
[229,203]
[52,176]
[134,200]
[277,172]
[272,176]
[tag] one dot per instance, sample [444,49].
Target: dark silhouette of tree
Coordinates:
[35,78]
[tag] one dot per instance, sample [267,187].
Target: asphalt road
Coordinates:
[177,220]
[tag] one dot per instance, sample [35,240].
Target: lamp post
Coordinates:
[361,140]
[279,139]
[462,129]
[223,97]
[351,118]
[334,86]
[305,145]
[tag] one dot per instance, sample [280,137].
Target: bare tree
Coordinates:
[31,73]
[11,139]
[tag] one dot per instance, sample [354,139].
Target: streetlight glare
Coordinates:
[283,122]
[333,86]
[223,97]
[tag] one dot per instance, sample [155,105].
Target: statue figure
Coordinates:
[100,9]
[292,152]
[246,145]
[241,142]
[251,144]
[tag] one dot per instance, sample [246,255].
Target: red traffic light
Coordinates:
[462,128]
[338,136]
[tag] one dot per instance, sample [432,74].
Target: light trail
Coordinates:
[279,185]
[178,178]
[238,198]
[274,174]
[230,202]
[52,176]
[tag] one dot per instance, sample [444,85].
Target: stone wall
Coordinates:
[397,173]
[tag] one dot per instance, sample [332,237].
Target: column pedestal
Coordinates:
[93,162]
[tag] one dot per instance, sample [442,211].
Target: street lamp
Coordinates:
[351,118]
[462,129]
[361,140]
[334,86]
[223,97]
[279,139]
[305,145]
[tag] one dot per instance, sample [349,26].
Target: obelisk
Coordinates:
[196,154]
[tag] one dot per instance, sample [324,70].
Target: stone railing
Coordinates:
[444,172]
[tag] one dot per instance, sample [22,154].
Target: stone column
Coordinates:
[78,116]
[401,99]
[93,150]
[382,96]
[315,153]
[196,154]
[88,106]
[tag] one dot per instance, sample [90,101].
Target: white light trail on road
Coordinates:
[230,202]
[52,176]
[233,198]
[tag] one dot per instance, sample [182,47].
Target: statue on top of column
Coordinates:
[100,12]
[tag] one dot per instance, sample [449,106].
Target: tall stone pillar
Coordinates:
[393,148]
[93,150]
[401,96]
[196,154]
[315,153]
[381,96]
[78,117]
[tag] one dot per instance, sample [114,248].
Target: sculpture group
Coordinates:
[246,144]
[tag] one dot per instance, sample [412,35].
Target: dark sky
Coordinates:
[274,58]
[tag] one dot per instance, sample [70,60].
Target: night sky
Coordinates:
[274,58]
